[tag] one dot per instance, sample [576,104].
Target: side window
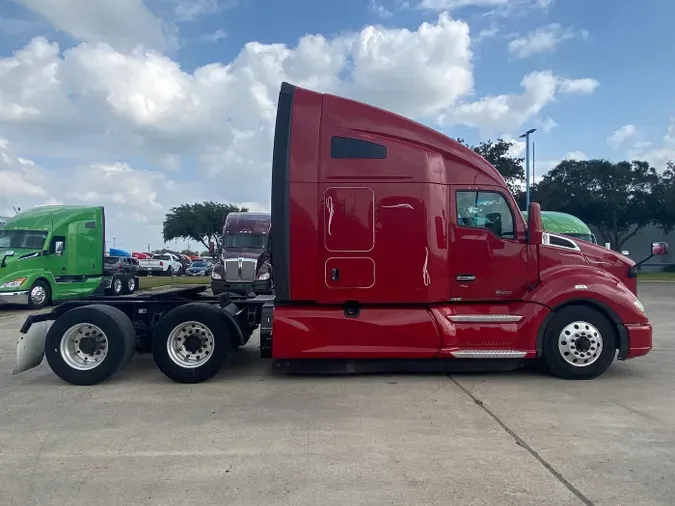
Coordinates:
[488,210]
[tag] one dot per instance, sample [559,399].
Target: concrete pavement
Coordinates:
[249,437]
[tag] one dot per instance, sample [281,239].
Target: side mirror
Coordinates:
[659,248]
[4,257]
[58,248]
[535,228]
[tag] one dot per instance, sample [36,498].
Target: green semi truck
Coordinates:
[566,224]
[51,254]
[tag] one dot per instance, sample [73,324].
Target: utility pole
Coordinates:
[114,244]
[526,136]
[534,178]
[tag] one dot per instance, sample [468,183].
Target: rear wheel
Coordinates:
[580,343]
[116,285]
[192,342]
[89,344]
[39,294]
[129,284]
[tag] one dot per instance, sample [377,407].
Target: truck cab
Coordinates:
[53,253]
[244,265]
[392,240]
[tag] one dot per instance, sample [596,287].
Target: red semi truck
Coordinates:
[394,248]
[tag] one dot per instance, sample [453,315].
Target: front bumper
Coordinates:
[639,340]
[258,287]
[14,297]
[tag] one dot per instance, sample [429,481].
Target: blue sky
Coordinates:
[168,100]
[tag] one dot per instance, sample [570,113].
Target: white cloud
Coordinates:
[584,86]
[213,37]
[190,10]
[121,23]
[379,9]
[575,155]
[499,8]
[511,111]
[658,155]
[542,40]
[159,136]
[620,136]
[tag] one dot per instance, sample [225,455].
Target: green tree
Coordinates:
[198,222]
[620,199]
[509,166]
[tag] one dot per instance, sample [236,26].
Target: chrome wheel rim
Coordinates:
[84,346]
[190,344]
[580,344]
[38,294]
[117,285]
[131,284]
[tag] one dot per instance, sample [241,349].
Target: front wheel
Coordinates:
[192,342]
[579,343]
[39,294]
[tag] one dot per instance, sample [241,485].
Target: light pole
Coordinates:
[114,242]
[526,136]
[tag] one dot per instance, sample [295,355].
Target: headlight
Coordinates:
[264,272]
[639,305]
[215,275]
[14,284]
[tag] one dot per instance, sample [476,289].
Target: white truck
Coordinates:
[164,264]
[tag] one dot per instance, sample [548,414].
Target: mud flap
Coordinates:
[30,347]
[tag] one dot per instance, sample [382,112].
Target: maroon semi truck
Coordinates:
[244,264]
[394,248]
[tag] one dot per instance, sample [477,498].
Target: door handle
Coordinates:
[465,277]
[63,268]
[335,274]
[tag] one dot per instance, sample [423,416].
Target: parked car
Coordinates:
[165,264]
[113,264]
[199,268]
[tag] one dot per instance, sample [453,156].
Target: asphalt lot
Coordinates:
[249,437]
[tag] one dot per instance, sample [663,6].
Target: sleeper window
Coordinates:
[488,210]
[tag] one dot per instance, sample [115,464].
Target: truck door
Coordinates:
[488,252]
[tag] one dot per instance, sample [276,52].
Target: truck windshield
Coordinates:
[254,241]
[23,239]
[161,257]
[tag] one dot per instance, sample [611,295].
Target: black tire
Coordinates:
[116,285]
[121,343]
[129,284]
[215,321]
[582,345]
[48,294]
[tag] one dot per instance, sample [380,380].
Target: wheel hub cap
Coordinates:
[190,344]
[38,295]
[84,346]
[580,344]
